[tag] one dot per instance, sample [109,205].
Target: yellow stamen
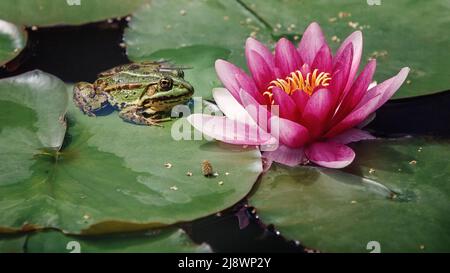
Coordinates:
[296,81]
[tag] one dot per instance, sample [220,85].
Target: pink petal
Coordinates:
[305,69]
[323,60]
[287,59]
[367,121]
[300,98]
[230,106]
[245,82]
[261,71]
[286,156]
[317,111]
[254,45]
[341,70]
[352,135]
[227,74]
[258,112]
[356,92]
[357,43]
[330,154]
[289,133]
[311,42]
[387,88]
[287,107]
[230,131]
[354,118]
[242,217]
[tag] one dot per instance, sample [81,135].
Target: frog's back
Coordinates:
[125,87]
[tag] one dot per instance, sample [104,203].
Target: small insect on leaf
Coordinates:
[207,169]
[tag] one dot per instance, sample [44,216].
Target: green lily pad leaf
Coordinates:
[167,240]
[392,34]
[209,29]
[29,128]
[12,243]
[12,40]
[396,193]
[109,175]
[66,12]
[162,241]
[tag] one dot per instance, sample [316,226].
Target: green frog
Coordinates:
[144,92]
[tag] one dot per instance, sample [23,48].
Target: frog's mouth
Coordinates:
[176,95]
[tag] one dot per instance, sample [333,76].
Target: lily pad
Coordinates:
[109,175]
[65,12]
[396,193]
[12,243]
[194,33]
[51,241]
[12,40]
[396,33]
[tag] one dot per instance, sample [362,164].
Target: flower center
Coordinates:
[295,81]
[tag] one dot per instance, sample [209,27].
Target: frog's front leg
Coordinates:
[89,101]
[135,115]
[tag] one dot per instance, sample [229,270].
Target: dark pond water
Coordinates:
[79,53]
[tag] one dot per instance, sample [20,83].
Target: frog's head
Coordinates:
[170,88]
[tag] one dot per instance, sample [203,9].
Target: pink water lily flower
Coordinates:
[320,98]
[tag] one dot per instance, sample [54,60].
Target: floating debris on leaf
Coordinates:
[174,188]
[220,183]
[168,165]
[353,25]
[353,202]
[332,19]
[377,54]
[335,39]
[412,162]
[227,173]
[362,27]
[343,14]
[183,12]
[189,174]
[393,196]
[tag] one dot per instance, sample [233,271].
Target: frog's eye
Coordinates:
[165,84]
